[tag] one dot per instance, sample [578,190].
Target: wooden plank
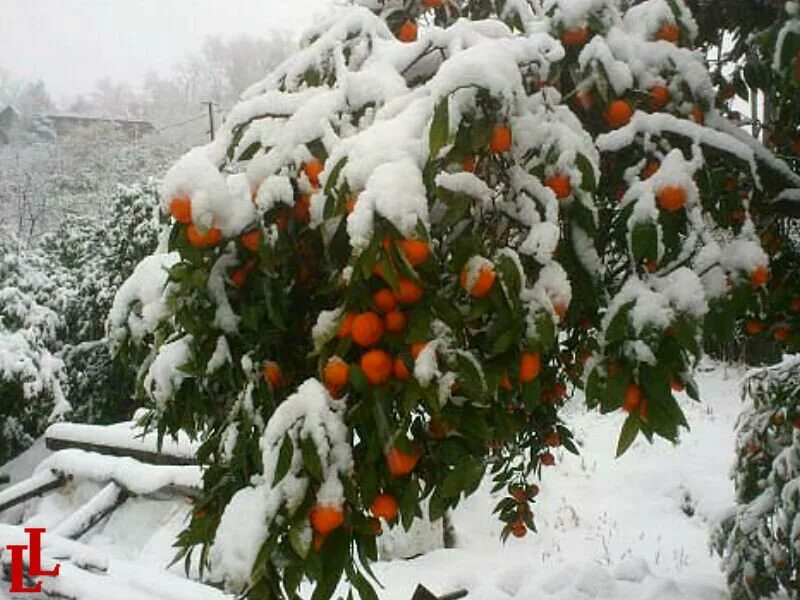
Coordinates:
[144,456]
[39,484]
[92,512]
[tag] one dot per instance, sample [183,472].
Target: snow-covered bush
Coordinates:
[31,377]
[90,256]
[402,248]
[758,540]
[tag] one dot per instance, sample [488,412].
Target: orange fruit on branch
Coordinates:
[468,164]
[384,300]
[400,462]
[676,384]
[697,115]
[671,198]
[659,96]
[416,348]
[239,277]
[618,113]
[367,329]
[781,333]
[415,251]
[336,373]
[312,169]
[272,373]
[760,276]
[395,321]
[407,32]
[325,518]
[530,363]
[431,3]
[560,184]
[575,37]
[377,366]
[181,209]
[483,283]
[408,291]
[754,327]
[384,507]
[251,240]
[210,238]
[632,398]
[518,529]
[400,370]
[547,459]
[501,139]
[301,211]
[346,326]
[668,32]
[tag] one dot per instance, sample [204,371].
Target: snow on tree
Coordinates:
[91,256]
[54,300]
[408,241]
[31,376]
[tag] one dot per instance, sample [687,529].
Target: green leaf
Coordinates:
[588,183]
[311,460]
[250,151]
[618,327]
[440,128]
[334,175]
[630,429]
[437,505]
[408,502]
[644,242]
[284,459]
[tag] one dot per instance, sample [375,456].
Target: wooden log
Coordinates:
[92,512]
[38,484]
[145,456]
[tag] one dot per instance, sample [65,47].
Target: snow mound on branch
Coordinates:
[140,303]
[164,377]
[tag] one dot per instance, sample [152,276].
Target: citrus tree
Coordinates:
[410,242]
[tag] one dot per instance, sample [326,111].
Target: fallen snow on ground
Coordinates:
[612,529]
[633,528]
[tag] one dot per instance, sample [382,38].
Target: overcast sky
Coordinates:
[70,44]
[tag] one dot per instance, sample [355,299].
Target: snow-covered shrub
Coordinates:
[31,377]
[758,540]
[446,229]
[91,256]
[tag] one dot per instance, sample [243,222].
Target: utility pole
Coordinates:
[210,118]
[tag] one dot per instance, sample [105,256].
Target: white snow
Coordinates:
[612,529]
[140,303]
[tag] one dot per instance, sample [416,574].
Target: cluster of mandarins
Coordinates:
[378,345]
[619,111]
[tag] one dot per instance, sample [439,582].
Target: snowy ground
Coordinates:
[611,529]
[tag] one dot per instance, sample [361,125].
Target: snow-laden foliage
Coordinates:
[90,256]
[758,540]
[31,377]
[54,299]
[446,213]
